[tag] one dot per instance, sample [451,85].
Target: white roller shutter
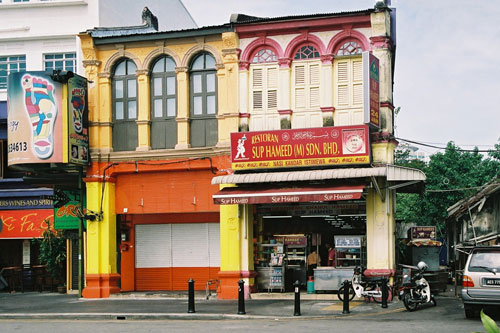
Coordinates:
[152,245]
[189,245]
[214,244]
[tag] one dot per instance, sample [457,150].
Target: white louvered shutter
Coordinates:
[257,88]
[349,82]
[272,87]
[357,82]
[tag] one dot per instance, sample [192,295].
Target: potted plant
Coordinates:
[53,254]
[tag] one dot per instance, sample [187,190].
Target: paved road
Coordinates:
[448,316]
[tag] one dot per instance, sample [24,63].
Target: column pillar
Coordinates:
[326,92]
[182,108]
[284,107]
[380,228]
[143,114]
[101,274]
[236,247]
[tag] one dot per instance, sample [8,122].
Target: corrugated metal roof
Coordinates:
[461,206]
[391,172]
[247,19]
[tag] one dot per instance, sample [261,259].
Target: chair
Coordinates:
[209,287]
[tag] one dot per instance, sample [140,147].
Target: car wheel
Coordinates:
[470,312]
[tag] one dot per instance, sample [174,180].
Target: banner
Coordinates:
[78,120]
[307,147]
[371,90]
[34,119]
[24,224]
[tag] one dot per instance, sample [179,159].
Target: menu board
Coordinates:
[348,241]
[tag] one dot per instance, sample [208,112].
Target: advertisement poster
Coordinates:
[35,119]
[307,147]
[78,121]
[25,223]
[371,87]
[67,216]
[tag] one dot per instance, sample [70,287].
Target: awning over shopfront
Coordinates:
[393,173]
[269,195]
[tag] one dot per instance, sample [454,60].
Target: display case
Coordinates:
[350,251]
[273,263]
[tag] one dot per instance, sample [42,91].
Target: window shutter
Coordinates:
[300,75]
[314,74]
[343,95]
[272,77]
[272,99]
[357,82]
[257,78]
[314,97]
[342,72]
[257,99]
[300,98]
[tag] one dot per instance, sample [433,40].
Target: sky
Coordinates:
[446,73]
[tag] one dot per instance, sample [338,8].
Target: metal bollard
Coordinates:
[385,292]
[296,311]
[191,296]
[241,297]
[345,308]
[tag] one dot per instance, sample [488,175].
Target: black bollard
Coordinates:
[296,311]
[345,308]
[191,296]
[385,292]
[241,297]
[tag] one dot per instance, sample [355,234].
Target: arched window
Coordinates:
[163,104]
[264,56]
[306,69]
[264,91]
[124,85]
[203,101]
[349,48]
[306,52]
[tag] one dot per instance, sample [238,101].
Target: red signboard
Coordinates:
[24,223]
[236,195]
[307,147]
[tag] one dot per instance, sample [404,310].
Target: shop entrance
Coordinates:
[313,241]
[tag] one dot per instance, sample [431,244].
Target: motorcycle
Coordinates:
[415,289]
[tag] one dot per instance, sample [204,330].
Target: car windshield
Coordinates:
[485,260]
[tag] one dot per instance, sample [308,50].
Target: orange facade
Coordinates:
[161,192]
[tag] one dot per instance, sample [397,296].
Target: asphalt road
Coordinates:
[448,316]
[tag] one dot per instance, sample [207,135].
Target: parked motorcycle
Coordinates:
[416,290]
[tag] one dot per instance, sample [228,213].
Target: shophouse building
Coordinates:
[230,152]
[38,35]
[160,108]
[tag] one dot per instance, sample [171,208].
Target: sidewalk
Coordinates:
[174,305]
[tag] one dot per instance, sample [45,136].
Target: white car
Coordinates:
[481,281]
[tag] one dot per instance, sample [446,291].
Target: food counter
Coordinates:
[331,278]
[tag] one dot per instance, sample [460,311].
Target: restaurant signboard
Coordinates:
[24,224]
[306,147]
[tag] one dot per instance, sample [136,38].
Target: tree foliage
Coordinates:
[53,252]
[451,176]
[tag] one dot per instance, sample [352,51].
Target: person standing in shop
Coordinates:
[312,262]
[331,255]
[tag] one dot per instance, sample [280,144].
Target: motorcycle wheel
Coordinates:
[378,299]
[409,305]
[340,294]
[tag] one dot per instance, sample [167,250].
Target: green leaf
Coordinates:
[489,324]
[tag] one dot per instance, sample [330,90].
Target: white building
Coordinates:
[41,34]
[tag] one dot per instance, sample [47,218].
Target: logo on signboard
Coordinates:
[353,142]
[240,148]
[42,111]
